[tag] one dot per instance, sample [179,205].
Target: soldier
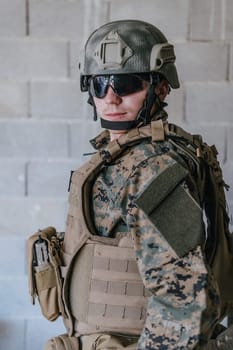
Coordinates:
[137,272]
[128,71]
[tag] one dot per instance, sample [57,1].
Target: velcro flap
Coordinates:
[45,278]
[161,187]
[172,209]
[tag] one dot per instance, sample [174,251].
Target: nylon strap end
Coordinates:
[157,130]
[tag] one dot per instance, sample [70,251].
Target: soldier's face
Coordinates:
[120,108]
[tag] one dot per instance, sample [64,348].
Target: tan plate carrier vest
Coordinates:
[103,291]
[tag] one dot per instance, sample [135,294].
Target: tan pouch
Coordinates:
[62,342]
[45,281]
[108,342]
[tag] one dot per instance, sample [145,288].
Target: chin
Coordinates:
[118,131]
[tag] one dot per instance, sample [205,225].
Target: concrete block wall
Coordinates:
[45,122]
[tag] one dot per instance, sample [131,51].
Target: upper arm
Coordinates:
[159,203]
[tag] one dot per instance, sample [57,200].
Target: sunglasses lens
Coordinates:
[121,84]
[126,85]
[99,86]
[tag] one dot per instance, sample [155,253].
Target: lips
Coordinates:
[115,115]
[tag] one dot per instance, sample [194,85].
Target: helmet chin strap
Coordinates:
[144,115]
[116,125]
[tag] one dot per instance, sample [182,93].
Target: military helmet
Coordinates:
[128,46]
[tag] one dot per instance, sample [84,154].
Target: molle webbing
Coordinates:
[107,291]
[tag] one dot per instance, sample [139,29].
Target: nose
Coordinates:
[111,97]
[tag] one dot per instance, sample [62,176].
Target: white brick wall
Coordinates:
[12,18]
[13,99]
[207,21]
[31,139]
[228,20]
[29,59]
[60,18]
[170,16]
[45,122]
[209,61]
[55,99]
[12,177]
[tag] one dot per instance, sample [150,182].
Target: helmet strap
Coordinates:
[113,125]
[95,113]
[144,115]
[91,102]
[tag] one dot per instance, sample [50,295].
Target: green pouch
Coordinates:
[172,209]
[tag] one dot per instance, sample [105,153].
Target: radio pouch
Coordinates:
[45,281]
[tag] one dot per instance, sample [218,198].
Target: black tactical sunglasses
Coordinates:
[122,84]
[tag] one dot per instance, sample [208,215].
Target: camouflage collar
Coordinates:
[101,140]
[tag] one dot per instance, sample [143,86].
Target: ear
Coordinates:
[162,90]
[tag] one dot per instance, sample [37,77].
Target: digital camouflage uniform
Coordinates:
[183,307]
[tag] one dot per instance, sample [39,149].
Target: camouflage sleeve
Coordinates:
[183,307]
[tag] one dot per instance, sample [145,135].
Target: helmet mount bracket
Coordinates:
[160,55]
[112,51]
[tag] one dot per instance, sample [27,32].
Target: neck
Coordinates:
[116,134]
